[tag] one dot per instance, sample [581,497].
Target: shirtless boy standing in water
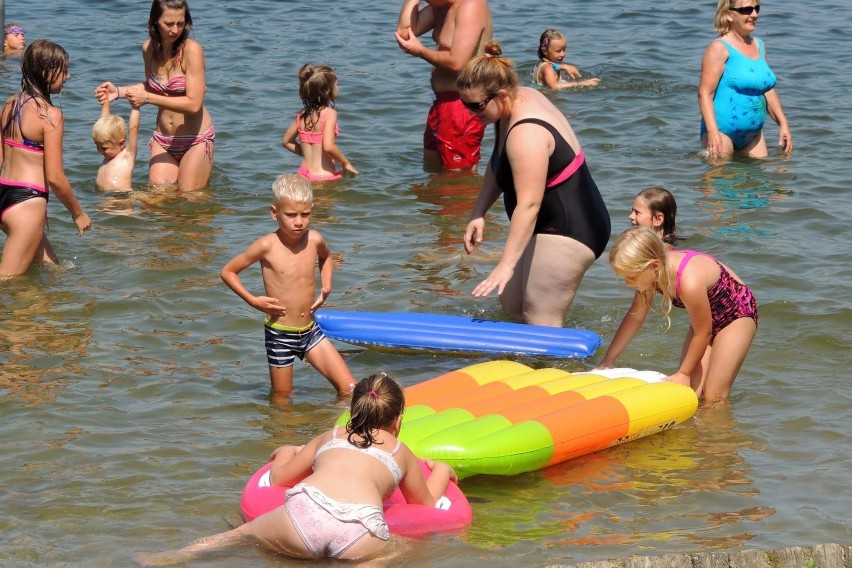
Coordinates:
[460,28]
[288,260]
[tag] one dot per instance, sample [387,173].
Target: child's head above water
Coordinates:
[291,187]
[14,37]
[109,133]
[655,207]
[377,403]
[551,46]
[317,86]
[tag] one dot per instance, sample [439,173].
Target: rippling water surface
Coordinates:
[133,386]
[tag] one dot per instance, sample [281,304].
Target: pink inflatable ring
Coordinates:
[451,513]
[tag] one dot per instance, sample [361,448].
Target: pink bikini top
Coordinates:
[307,137]
[176,86]
[385,457]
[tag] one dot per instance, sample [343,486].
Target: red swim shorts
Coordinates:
[453,131]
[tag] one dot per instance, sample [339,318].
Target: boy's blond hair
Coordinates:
[293,187]
[110,128]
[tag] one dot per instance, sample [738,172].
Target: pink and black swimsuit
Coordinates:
[730,299]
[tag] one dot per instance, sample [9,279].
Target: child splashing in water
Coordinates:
[722,310]
[655,207]
[316,126]
[550,69]
[339,481]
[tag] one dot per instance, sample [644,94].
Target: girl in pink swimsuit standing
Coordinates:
[316,127]
[722,310]
[339,481]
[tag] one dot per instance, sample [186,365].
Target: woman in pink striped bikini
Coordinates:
[183,142]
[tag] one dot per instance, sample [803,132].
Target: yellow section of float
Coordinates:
[505,418]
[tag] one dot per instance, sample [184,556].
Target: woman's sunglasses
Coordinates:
[478,107]
[747,10]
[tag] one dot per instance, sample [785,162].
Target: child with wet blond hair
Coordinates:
[288,259]
[117,142]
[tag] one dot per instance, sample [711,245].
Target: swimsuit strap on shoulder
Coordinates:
[688,254]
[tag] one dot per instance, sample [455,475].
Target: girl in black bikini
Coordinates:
[31,160]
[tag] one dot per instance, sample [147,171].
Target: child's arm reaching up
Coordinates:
[132,142]
[104,107]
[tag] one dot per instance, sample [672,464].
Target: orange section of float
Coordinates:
[503,417]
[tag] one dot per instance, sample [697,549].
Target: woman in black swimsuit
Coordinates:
[559,223]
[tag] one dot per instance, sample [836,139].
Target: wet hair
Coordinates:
[377,402]
[158,7]
[546,37]
[721,22]
[293,187]
[635,250]
[110,128]
[317,89]
[490,72]
[43,61]
[660,200]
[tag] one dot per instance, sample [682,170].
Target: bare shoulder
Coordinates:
[266,243]
[716,50]
[315,238]
[54,116]
[702,270]
[192,48]
[478,5]
[474,9]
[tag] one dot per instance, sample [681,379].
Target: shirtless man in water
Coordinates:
[460,29]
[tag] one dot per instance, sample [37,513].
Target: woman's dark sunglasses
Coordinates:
[747,10]
[478,107]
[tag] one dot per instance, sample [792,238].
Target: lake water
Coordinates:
[133,384]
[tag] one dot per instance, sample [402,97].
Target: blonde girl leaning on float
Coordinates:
[722,310]
[31,160]
[183,141]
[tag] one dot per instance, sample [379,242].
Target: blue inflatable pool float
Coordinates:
[419,332]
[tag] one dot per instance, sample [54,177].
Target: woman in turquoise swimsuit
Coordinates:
[737,87]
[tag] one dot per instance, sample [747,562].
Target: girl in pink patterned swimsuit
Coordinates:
[722,310]
[316,127]
[340,480]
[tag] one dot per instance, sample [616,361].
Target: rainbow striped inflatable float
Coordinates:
[504,418]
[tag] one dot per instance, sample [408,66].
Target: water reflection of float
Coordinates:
[505,418]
